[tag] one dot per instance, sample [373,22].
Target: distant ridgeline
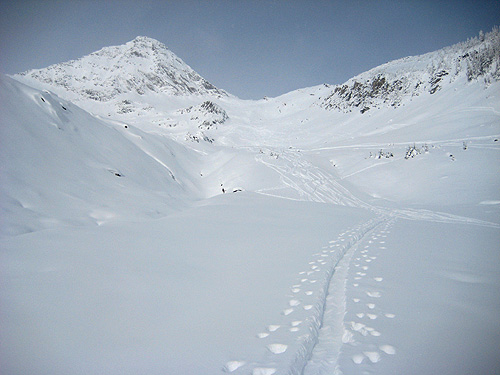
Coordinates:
[392,83]
[145,65]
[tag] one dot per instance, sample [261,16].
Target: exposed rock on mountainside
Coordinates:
[392,83]
[207,114]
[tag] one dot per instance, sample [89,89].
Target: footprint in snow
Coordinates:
[233,365]
[277,348]
[388,349]
[374,357]
[358,358]
[263,371]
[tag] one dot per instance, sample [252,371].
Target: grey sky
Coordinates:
[249,48]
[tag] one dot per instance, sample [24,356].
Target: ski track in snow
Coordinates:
[318,338]
[366,346]
[315,295]
[317,185]
[310,182]
[335,332]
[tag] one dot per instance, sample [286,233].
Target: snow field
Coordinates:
[146,234]
[420,308]
[166,295]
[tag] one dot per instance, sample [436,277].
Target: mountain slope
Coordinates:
[396,82]
[61,165]
[140,66]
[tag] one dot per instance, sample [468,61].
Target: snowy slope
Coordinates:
[396,82]
[61,165]
[144,227]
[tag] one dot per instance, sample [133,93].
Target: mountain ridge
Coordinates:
[128,75]
[390,84]
[139,66]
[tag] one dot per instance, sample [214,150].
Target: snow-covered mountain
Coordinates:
[396,82]
[151,223]
[140,66]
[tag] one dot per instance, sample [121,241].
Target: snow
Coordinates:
[436,300]
[178,231]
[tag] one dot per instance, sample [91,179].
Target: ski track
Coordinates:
[300,322]
[443,142]
[310,182]
[335,332]
[363,344]
[315,184]
[310,344]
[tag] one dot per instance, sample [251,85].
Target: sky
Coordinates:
[251,49]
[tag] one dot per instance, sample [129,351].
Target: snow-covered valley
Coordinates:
[152,223]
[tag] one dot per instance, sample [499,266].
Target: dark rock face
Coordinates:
[393,83]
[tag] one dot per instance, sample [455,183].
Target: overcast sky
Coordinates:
[249,48]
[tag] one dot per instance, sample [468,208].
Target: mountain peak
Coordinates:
[146,43]
[139,66]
